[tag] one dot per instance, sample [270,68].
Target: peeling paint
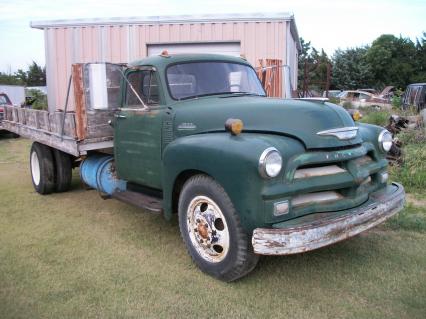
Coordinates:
[324,231]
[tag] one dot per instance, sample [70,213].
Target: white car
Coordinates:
[362,99]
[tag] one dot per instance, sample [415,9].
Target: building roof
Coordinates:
[284,16]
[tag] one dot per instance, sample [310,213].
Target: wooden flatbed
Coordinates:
[57,130]
[77,132]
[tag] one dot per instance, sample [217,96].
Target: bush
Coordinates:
[412,173]
[40,102]
[416,136]
[347,105]
[334,100]
[380,118]
[396,100]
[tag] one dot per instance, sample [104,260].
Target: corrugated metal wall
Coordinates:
[66,45]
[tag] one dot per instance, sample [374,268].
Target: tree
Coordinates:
[10,79]
[351,69]
[392,60]
[312,67]
[420,73]
[34,76]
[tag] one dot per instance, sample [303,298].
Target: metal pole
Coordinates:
[65,108]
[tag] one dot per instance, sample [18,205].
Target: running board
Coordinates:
[150,203]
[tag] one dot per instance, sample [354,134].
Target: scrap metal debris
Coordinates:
[397,124]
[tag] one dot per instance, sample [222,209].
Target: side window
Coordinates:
[2,100]
[142,85]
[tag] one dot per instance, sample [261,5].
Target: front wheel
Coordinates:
[212,232]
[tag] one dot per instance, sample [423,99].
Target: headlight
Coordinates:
[270,163]
[385,141]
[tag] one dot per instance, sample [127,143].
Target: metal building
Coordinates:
[121,40]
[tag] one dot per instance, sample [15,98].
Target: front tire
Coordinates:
[42,168]
[212,231]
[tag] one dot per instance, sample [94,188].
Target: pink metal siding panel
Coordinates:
[121,43]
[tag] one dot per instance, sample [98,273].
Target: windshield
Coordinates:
[189,80]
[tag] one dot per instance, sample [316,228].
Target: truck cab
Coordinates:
[247,175]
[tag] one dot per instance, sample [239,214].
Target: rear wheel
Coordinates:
[42,168]
[63,170]
[212,232]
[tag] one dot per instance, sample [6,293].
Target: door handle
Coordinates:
[119,116]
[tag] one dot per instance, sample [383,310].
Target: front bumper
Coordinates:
[321,229]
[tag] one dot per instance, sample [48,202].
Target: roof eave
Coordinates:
[283,16]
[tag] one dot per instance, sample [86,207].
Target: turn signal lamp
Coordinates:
[235,126]
[357,115]
[165,54]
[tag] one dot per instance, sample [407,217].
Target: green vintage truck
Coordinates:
[247,175]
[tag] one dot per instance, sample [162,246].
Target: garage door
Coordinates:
[227,48]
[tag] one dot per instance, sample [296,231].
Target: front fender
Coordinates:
[370,133]
[231,160]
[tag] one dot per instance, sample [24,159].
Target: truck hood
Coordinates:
[300,119]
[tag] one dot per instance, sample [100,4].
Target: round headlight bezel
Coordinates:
[263,162]
[385,137]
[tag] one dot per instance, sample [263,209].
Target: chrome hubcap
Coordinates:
[207,229]
[35,168]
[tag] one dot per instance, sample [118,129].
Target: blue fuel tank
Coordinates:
[98,172]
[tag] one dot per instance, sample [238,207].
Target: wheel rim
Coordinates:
[207,228]
[35,168]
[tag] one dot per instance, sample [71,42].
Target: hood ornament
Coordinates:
[343,133]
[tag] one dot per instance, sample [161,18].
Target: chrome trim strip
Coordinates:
[315,198]
[340,132]
[318,171]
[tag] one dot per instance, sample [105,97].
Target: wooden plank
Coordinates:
[66,145]
[97,123]
[15,114]
[31,118]
[79,100]
[27,116]
[43,120]
[56,121]
[21,115]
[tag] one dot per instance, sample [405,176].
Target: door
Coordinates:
[227,48]
[137,129]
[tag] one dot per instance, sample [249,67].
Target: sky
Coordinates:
[328,24]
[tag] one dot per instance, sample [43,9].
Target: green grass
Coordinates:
[75,255]
[371,116]
[411,218]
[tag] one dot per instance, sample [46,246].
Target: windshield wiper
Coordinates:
[233,94]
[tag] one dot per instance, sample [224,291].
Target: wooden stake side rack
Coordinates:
[270,74]
[74,133]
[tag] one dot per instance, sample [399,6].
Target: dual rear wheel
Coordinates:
[51,169]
